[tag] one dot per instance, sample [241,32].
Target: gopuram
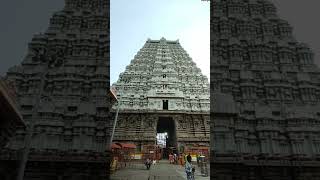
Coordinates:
[265,96]
[162,90]
[63,94]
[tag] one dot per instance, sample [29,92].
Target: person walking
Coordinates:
[175,158]
[170,158]
[189,169]
[148,163]
[189,156]
[181,159]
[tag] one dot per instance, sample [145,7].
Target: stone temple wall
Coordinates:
[63,95]
[141,128]
[265,93]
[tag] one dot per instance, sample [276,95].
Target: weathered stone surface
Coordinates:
[162,71]
[274,84]
[62,89]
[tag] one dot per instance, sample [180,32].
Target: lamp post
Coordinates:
[115,120]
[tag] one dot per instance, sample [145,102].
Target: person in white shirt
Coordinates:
[148,163]
[189,169]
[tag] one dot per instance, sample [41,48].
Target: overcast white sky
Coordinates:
[133,22]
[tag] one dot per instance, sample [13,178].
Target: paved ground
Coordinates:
[161,171]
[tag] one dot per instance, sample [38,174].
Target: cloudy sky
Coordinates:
[303,15]
[132,22]
[20,20]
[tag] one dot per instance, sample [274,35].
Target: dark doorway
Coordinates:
[165,104]
[166,128]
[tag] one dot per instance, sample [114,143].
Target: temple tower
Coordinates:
[63,94]
[265,95]
[162,90]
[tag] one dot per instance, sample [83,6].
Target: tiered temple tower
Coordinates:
[63,93]
[265,95]
[163,90]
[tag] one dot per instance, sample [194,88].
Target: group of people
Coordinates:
[148,163]
[189,168]
[173,158]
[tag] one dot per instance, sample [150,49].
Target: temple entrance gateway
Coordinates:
[164,102]
[166,136]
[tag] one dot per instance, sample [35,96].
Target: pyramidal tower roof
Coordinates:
[163,76]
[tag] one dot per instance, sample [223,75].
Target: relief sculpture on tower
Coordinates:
[165,88]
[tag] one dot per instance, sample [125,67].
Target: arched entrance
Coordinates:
[166,136]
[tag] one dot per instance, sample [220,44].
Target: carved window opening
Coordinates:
[276,113]
[164,76]
[165,104]
[27,107]
[164,86]
[252,113]
[72,108]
